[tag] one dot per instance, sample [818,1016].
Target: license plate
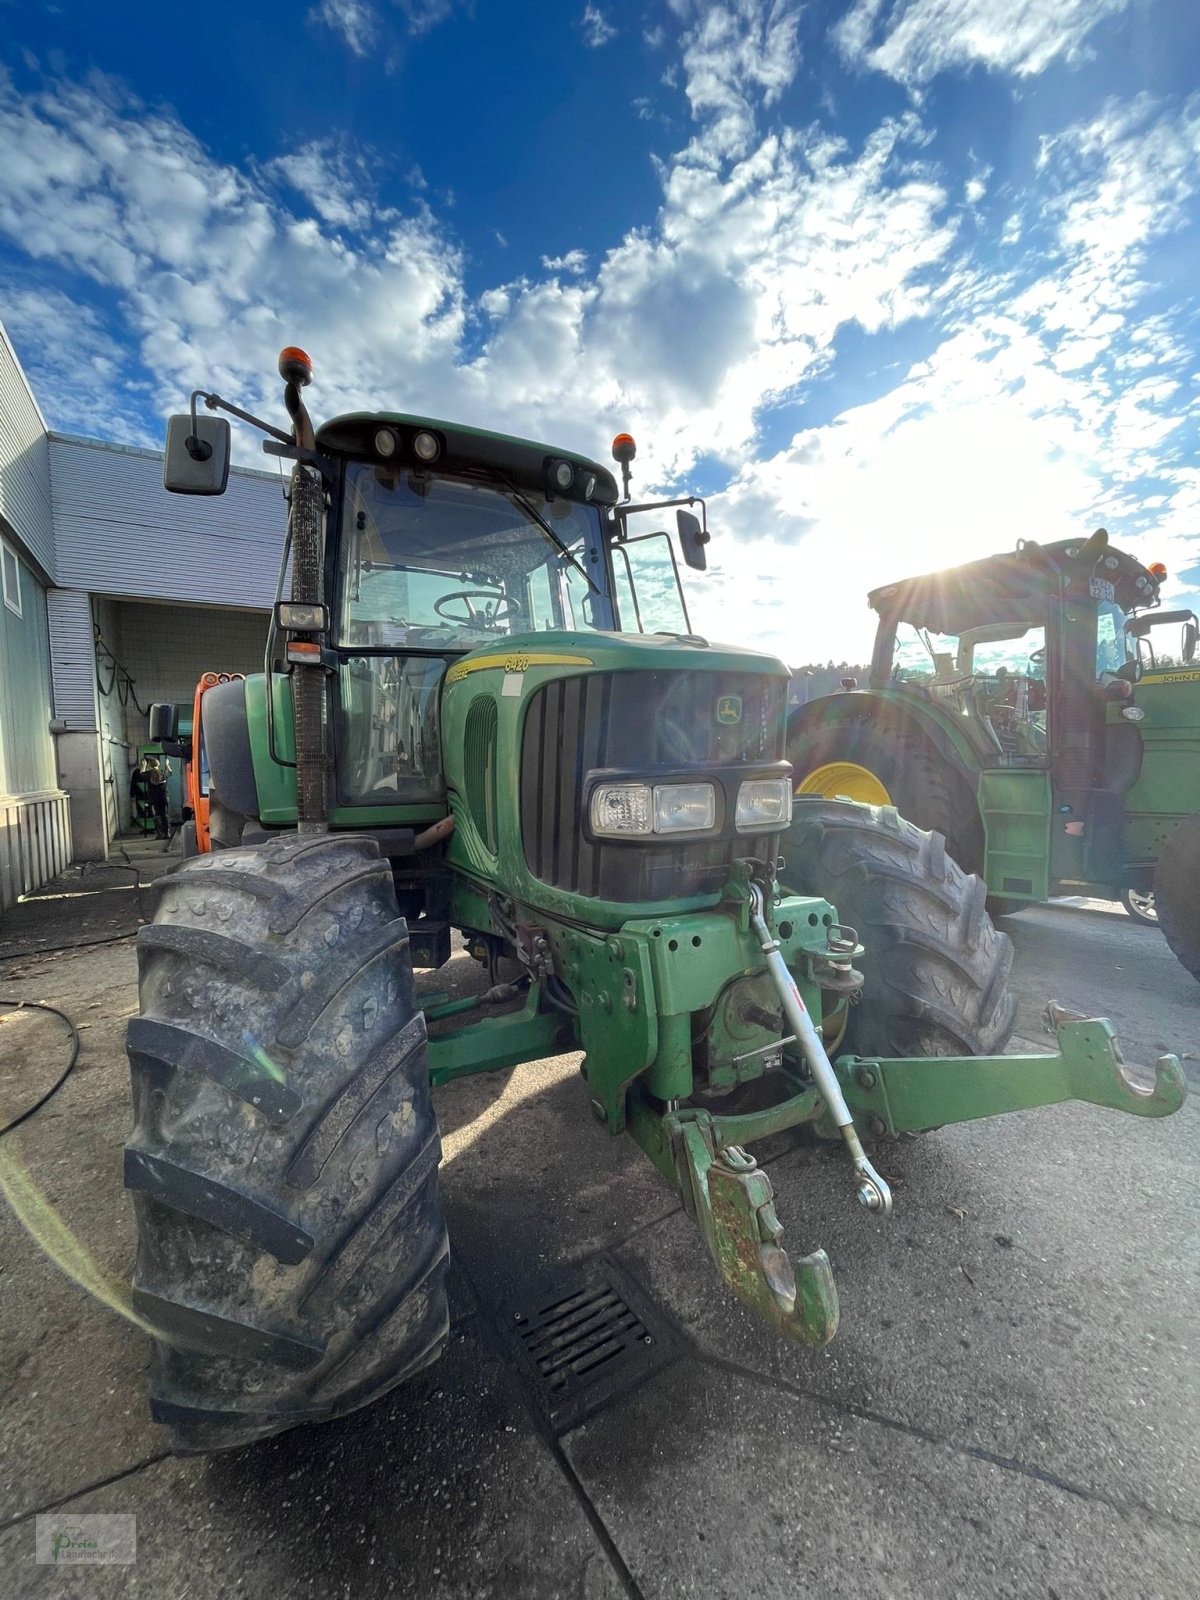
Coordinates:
[1101,589]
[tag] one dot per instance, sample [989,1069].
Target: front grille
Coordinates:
[646,723]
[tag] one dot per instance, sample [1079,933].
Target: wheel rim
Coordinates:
[845,780]
[1142,905]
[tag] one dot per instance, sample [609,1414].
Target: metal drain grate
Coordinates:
[583,1338]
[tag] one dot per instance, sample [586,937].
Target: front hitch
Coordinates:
[729,1196]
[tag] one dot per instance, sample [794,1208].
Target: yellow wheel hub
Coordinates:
[845,780]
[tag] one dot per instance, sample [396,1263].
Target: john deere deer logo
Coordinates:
[729,708]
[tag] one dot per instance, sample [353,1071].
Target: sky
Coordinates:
[893,283]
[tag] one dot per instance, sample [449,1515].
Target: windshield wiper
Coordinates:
[535,516]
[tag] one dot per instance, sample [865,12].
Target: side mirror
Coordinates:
[197,458]
[164,721]
[1190,635]
[692,539]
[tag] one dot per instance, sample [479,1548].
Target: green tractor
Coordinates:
[1040,711]
[483,710]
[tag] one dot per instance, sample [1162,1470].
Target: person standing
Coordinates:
[154,774]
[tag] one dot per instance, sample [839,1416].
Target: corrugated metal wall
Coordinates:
[35,823]
[73,657]
[24,463]
[26,746]
[117,531]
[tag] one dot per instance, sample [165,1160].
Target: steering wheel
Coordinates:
[506,607]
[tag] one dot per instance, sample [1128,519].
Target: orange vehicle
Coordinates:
[196,837]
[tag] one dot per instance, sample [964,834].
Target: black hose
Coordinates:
[558,995]
[39,1005]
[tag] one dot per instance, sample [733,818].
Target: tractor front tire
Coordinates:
[921,785]
[292,1250]
[936,969]
[1177,893]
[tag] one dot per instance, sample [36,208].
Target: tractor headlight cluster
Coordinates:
[568,477]
[624,810]
[763,804]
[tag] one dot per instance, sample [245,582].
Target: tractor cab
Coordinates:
[1009,644]
[445,539]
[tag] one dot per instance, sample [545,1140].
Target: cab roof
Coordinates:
[1011,587]
[464,451]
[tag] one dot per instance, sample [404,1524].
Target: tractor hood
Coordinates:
[616,652]
[1012,587]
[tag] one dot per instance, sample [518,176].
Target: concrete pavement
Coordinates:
[1009,1409]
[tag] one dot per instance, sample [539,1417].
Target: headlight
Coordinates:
[623,810]
[763,804]
[684,807]
[618,809]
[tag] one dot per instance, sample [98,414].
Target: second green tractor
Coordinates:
[1041,710]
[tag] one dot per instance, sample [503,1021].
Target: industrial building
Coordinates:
[115,594]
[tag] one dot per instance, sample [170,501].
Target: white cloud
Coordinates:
[737,56]
[356,21]
[1042,412]
[680,330]
[1045,386]
[83,378]
[976,185]
[574,262]
[914,40]
[362,25]
[334,180]
[597,30]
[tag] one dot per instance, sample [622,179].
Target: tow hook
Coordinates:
[729,1196]
[872,1191]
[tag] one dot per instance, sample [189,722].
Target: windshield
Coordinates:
[436,563]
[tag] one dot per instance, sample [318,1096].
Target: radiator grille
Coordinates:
[643,722]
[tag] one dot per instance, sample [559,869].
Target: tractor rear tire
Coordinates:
[922,786]
[1177,894]
[292,1251]
[936,969]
